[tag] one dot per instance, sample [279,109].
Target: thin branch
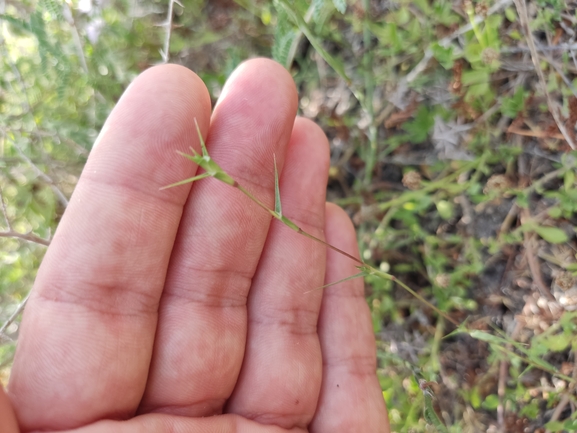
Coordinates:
[539,48]
[76,36]
[14,314]
[42,175]
[521,6]
[165,51]
[4,211]
[534,266]
[11,233]
[567,395]
[566,80]
[29,237]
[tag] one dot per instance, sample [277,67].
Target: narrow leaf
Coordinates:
[202,144]
[315,42]
[341,5]
[553,235]
[189,180]
[359,275]
[277,204]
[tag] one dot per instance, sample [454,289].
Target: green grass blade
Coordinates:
[360,274]
[189,180]
[277,204]
[202,143]
[315,42]
[429,412]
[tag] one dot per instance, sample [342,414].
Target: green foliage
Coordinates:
[513,105]
[340,5]
[418,129]
[284,36]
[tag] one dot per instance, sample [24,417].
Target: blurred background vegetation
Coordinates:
[452,130]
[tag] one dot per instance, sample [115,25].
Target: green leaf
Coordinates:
[555,212]
[295,17]
[445,209]
[419,128]
[485,336]
[570,425]
[277,204]
[511,15]
[491,402]
[475,77]
[53,7]
[284,36]
[511,106]
[554,426]
[340,5]
[553,235]
[558,342]
[444,55]
[317,7]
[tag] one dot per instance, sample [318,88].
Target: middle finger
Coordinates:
[201,333]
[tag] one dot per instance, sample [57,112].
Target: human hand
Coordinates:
[154,310]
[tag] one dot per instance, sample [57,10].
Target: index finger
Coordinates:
[88,331]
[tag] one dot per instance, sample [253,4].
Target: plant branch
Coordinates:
[29,237]
[165,51]
[76,36]
[11,233]
[5,211]
[14,314]
[539,48]
[214,170]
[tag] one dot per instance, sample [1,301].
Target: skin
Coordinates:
[183,310]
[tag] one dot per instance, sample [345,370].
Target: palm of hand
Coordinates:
[164,308]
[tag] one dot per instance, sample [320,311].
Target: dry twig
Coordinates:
[521,6]
[165,51]
[14,315]
[11,233]
[529,240]
[567,395]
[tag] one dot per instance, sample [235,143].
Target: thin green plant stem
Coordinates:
[369,91]
[474,25]
[212,169]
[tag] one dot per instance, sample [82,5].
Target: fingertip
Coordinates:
[160,104]
[274,81]
[315,136]
[340,231]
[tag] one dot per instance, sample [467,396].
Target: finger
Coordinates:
[281,373]
[351,397]
[162,423]
[8,422]
[88,330]
[202,327]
